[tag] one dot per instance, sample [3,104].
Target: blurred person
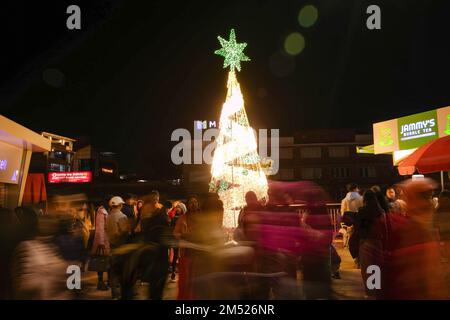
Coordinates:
[139,205]
[371,228]
[183,227]
[395,205]
[442,223]
[83,222]
[413,262]
[40,262]
[316,245]
[349,207]
[155,231]
[206,257]
[117,230]
[84,218]
[101,242]
[179,210]
[352,200]
[130,209]
[15,226]
[252,204]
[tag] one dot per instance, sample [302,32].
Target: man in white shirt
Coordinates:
[117,224]
[117,230]
[351,203]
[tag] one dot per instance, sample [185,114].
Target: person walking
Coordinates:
[101,242]
[182,230]
[349,208]
[180,210]
[118,230]
[155,231]
[442,223]
[371,228]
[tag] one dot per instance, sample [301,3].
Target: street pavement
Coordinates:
[349,287]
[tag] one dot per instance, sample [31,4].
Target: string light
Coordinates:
[236,166]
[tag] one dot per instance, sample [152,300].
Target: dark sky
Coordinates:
[137,70]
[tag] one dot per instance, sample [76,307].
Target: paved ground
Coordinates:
[349,287]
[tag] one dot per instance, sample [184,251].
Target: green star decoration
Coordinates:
[232,52]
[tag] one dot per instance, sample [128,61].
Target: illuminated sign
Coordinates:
[411,132]
[106,170]
[416,130]
[70,177]
[10,162]
[205,124]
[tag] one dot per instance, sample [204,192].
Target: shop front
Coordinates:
[17,144]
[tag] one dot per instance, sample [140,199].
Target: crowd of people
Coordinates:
[405,232]
[283,249]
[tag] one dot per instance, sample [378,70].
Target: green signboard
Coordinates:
[417,129]
[412,131]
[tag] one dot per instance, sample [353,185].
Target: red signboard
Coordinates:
[70,177]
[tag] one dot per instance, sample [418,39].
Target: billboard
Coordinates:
[412,131]
[10,161]
[70,177]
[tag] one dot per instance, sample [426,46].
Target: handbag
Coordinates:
[99,262]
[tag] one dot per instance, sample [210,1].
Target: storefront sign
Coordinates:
[70,177]
[107,170]
[10,161]
[416,130]
[411,132]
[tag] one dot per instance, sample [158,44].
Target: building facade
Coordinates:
[326,157]
[330,158]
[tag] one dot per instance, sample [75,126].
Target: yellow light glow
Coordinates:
[236,166]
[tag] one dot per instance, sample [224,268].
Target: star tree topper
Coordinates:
[232,52]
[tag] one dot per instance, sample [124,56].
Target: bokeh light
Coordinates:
[294,43]
[308,16]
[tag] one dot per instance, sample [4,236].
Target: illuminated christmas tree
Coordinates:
[236,167]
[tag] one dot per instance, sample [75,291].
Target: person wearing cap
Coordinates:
[117,230]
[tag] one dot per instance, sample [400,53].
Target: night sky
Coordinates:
[137,70]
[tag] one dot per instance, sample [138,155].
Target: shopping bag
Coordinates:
[99,262]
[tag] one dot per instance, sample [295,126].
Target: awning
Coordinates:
[17,135]
[431,157]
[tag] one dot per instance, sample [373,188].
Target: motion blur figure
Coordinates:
[316,247]
[371,227]
[155,232]
[40,262]
[413,260]
[182,231]
[442,223]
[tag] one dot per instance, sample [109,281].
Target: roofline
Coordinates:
[22,137]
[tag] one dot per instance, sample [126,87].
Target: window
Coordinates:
[340,172]
[310,152]
[286,153]
[338,152]
[311,173]
[56,167]
[367,172]
[286,174]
